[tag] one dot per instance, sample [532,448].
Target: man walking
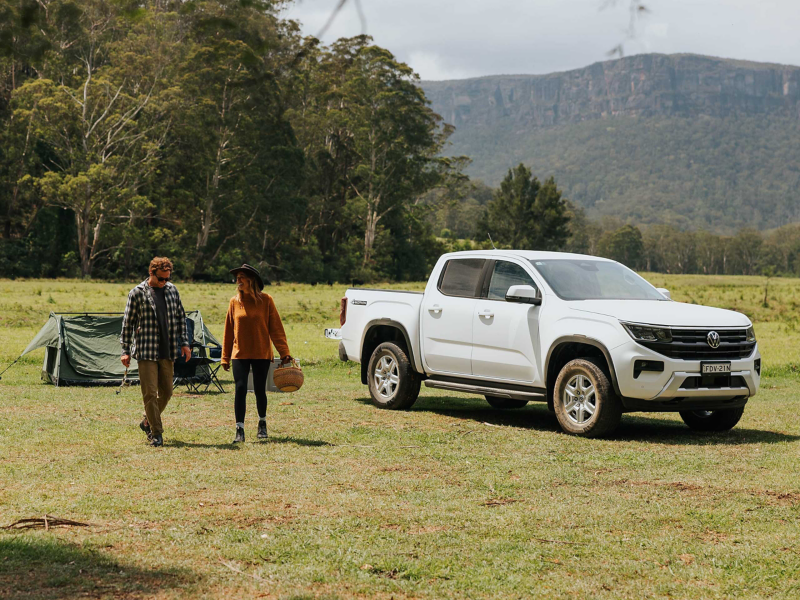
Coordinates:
[154,333]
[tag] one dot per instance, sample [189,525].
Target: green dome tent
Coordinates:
[84,349]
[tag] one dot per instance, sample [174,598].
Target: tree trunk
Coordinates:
[88,235]
[212,191]
[129,245]
[369,233]
[203,235]
[82,223]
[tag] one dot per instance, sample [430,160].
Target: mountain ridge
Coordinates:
[744,62]
[696,141]
[640,85]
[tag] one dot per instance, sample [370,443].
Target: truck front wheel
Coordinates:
[393,382]
[584,399]
[712,420]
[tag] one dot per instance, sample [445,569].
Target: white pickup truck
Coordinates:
[586,335]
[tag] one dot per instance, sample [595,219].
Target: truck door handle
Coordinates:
[435,308]
[486,313]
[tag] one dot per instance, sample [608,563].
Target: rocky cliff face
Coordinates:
[644,85]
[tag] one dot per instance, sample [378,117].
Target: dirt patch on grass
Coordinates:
[685,487]
[679,486]
[772,496]
[394,469]
[710,536]
[781,498]
[499,501]
[427,529]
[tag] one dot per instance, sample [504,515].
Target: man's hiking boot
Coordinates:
[157,440]
[145,426]
[239,435]
[262,430]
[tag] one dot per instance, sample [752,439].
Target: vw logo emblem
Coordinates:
[713,339]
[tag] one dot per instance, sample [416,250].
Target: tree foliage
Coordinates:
[527,214]
[212,132]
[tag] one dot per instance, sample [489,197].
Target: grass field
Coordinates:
[449,499]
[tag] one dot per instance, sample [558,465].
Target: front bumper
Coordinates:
[680,384]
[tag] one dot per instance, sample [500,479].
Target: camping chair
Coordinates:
[191,373]
[211,356]
[202,367]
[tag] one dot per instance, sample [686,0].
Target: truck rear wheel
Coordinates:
[584,399]
[497,402]
[393,382]
[712,420]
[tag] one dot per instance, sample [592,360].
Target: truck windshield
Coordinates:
[574,279]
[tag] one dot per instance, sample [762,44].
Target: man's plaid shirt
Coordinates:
[139,336]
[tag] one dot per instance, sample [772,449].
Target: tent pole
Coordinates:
[9,366]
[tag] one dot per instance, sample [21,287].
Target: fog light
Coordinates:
[655,366]
[757,366]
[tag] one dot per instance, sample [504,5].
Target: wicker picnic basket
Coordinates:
[288,377]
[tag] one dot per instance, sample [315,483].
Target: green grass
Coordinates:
[449,499]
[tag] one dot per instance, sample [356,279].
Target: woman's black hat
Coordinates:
[252,271]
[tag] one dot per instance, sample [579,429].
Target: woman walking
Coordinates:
[251,327]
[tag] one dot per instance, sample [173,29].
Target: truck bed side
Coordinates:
[376,314]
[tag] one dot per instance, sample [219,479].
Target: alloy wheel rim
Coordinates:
[386,377]
[580,399]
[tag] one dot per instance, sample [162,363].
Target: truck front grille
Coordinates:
[692,344]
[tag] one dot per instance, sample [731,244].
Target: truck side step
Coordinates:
[482,390]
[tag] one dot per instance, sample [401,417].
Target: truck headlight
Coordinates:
[751,334]
[646,333]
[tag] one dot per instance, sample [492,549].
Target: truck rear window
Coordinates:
[461,277]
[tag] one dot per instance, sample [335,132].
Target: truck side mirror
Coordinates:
[665,293]
[524,294]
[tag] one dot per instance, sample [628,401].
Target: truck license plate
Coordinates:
[715,368]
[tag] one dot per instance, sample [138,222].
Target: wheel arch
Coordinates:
[379,331]
[570,347]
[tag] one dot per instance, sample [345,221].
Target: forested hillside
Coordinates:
[692,141]
[211,132]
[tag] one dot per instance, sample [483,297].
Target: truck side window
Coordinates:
[461,277]
[505,275]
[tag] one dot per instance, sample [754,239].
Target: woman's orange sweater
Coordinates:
[252,328]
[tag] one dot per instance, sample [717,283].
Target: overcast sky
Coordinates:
[454,39]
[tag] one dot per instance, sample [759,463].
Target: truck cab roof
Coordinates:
[526,254]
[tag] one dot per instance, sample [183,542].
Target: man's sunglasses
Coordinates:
[163,279]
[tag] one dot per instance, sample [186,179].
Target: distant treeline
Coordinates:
[505,215]
[212,132]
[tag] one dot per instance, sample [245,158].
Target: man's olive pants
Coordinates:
[155,377]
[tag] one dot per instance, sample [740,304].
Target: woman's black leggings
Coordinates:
[241,369]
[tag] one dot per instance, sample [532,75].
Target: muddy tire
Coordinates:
[393,382]
[584,399]
[497,402]
[712,420]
